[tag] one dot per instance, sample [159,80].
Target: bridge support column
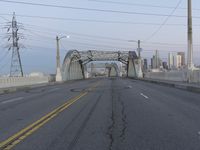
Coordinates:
[135,68]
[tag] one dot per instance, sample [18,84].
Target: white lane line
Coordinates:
[144,95]
[12,100]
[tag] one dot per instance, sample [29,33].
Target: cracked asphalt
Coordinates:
[119,114]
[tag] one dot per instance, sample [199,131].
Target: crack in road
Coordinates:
[124,122]
[117,129]
[111,127]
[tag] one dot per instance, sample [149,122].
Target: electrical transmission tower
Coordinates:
[14,36]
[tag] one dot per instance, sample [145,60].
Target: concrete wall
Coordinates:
[170,76]
[181,76]
[195,76]
[6,82]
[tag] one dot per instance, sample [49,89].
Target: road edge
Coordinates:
[181,86]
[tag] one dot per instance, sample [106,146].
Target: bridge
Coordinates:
[75,62]
[103,113]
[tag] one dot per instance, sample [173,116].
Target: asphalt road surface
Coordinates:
[100,114]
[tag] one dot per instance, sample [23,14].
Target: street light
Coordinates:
[58,70]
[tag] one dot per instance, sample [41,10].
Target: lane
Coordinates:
[74,125]
[122,114]
[37,90]
[165,121]
[17,113]
[12,100]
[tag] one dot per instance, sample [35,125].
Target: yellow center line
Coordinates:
[22,134]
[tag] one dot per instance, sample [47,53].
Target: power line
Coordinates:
[89,36]
[136,4]
[78,34]
[165,21]
[89,9]
[95,36]
[94,20]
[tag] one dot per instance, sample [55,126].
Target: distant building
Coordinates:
[165,66]
[153,62]
[182,54]
[170,61]
[145,65]
[156,62]
[178,61]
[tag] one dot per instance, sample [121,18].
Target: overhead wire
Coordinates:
[136,4]
[164,22]
[89,20]
[89,9]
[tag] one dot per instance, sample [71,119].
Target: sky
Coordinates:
[104,25]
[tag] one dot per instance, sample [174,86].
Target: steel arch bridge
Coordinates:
[74,64]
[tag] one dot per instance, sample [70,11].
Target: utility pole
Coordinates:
[190,42]
[58,70]
[16,65]
[139,49]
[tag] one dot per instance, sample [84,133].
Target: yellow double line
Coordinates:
[21,135]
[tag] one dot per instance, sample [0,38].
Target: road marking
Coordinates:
[22,134]
[12,100]
[144,95]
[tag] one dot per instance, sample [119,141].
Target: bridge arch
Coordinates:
[113,70]
[72,67]
[74,64]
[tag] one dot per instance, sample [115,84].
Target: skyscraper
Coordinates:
[156,61]
[178,61]
[182,54]
[170,61]
[145,66]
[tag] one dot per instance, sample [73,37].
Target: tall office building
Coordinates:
[182,54]
[145,65]
[170,61]
[178,62]
[153,62]
[156,61]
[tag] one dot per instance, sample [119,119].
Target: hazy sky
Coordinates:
[100,30]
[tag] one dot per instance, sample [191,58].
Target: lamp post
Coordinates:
[58,70]
[190,42]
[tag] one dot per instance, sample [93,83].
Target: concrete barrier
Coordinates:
[195,76]
[170,76]
[6,82]
[179,76]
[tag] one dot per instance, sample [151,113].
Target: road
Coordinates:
[100,114]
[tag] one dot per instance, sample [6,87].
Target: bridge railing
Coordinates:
[180,76]
[6,82]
